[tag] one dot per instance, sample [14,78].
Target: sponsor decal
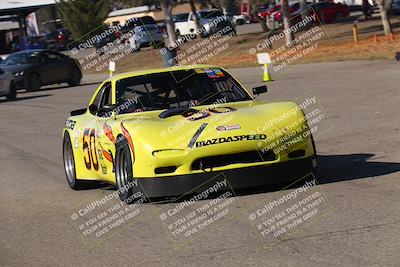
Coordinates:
[228,127]
[103,169]
[219,73]
[236,138]
[70,124]
[199,70]
[99,133]
[214,73]
[76,142]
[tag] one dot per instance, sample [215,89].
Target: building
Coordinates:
[17,18]
[121,16]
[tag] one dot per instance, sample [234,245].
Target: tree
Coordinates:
[303,8]
[82,16]
[228,5]
[286,22]
[166,6]
[254,10]
[196,18]
[387,28]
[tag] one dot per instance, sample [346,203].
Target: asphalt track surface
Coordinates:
[359,164]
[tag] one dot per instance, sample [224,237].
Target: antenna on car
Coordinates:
[111,68]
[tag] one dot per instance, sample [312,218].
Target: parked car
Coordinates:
[33,42]
[145,33]
[328,12]
[58,39]
[211,21]
[112,35]
[263,14]
[35,68]
[238,19]
[395,7]
[7,87]
[293,8]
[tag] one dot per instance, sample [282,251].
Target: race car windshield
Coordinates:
[178,89]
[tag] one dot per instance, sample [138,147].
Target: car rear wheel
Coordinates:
[34,82]
[158,45]
[240,22]
[124,171]
[12,95]
[75,77]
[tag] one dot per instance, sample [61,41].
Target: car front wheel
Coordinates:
[12,95]
[124,171]
[34,82]
[69,164]
[75,78]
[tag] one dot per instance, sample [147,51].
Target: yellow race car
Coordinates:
[167,131]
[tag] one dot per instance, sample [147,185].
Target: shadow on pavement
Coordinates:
[60,87]
[19,98]
[331,169]
[337,168]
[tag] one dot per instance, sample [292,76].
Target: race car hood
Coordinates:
[232,127]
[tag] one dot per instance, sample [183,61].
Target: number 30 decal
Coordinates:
[89,149]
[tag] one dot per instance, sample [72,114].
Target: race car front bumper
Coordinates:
[277,173]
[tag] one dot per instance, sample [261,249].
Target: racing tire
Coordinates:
[69,165]
[75,78]
[12,95]
[178,34]
[34,82]
[124,171]
[240,22]
[158,45]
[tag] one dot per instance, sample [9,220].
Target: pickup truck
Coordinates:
[211,22]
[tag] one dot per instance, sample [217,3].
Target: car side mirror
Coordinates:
[108,108]
[93,108]
[260,90]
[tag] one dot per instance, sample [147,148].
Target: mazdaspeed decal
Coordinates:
[229,139]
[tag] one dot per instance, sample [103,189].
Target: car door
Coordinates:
[53,69]
[63,63]
[104,141]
